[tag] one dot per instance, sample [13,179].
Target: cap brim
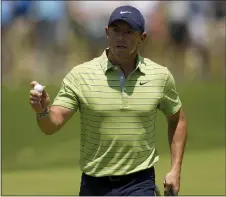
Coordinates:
[132,24]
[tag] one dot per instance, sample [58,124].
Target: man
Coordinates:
[118,95]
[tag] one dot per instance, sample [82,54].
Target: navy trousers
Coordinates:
[137,184]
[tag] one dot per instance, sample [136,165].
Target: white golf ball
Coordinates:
[39,88]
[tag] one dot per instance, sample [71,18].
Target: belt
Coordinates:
[115,178]
[129,176]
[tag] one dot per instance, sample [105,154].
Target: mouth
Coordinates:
[121,47]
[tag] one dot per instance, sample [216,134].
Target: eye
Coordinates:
[115,29]
[130,31]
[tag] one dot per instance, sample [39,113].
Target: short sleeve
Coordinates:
[170,103]
[68,93]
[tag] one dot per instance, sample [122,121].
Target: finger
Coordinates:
[167,188]
[166,192]
[35,93]
[173,192]
[34,98]
[33,83]
[35,103]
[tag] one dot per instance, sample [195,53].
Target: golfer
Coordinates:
[118,95]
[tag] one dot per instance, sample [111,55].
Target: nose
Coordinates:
[121,36]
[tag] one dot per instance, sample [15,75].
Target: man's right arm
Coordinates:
[55,118]
[51,118]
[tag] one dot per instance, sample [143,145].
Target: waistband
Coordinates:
[149,171]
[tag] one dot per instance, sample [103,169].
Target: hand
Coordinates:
[39,101]
[172,184]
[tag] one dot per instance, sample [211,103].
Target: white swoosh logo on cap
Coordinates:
[124,12]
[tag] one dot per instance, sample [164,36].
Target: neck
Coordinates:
[126,64]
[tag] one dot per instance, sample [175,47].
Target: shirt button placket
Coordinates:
[124,91]
[125,98]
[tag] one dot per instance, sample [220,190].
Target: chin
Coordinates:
[122,52]
[122,55]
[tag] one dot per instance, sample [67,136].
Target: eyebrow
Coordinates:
[113,25]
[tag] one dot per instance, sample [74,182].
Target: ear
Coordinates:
[143,36]
[107,31]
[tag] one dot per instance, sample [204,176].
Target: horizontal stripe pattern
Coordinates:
[117,123]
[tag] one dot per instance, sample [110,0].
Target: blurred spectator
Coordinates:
[14,19]
[199,18]
[21,8]
[177,19]
[7,14]
[219,36]
[220,10]
[6,20]
[50,33]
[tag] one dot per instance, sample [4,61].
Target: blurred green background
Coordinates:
[36,164]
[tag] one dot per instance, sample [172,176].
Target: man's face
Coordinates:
[123,41]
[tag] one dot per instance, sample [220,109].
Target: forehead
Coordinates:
[121,24]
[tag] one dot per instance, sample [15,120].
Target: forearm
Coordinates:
[177,135]
[49,124]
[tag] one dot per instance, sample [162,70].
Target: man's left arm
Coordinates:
[177,135]
[171,106]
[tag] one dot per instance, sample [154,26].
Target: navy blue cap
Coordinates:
[129,14]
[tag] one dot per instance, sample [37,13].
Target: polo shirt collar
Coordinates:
[107,65]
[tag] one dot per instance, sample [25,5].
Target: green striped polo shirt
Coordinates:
[118,115]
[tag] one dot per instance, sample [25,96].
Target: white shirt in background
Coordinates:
[178,11]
